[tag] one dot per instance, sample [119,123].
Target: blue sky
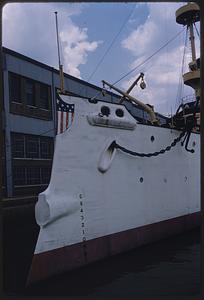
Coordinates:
[86,32]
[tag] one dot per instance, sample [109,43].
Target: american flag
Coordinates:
[65,115]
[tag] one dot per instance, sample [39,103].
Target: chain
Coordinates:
[168,148]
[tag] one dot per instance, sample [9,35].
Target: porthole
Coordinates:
[105,110]
[194,143]
[119,113]
[141,179]
[152,138]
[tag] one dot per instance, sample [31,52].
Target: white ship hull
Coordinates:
[100,203]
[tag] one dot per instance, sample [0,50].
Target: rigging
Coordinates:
[111,44]
[180,85]
[148,58]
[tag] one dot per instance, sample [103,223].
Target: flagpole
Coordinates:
[60,65]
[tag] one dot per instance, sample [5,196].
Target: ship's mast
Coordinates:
[60,64]
[187,15]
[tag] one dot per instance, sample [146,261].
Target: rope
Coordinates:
[82,88]
[173,38]
[180,85]
[196,30]
[90,76]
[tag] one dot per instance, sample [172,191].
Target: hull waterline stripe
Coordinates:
[63,259]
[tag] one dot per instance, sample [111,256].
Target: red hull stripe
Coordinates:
[71,257]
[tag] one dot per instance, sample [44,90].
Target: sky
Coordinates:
[105,41]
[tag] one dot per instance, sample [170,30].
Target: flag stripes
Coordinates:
[65,115]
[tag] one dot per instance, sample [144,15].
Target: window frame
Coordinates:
[33,94]
[31,139]
[11,90]
[14,137]
[41,96]
[41,105]
[16,178]
[26,179]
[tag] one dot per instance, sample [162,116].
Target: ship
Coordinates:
[117,181]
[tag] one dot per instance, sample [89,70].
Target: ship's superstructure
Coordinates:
[116,182]
[188,15]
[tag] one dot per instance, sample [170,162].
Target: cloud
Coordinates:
[76,47]
[30,30]
[163,71]
[140,39]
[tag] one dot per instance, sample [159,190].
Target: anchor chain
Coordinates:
[168,148]
[185,133]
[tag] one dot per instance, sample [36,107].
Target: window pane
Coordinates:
[30,92]
[3,172]
[15,88]
[44,97]
[19,177]
[33,175]
[3,145]
[17,146]
[32,147]
[45,175]
[45,148]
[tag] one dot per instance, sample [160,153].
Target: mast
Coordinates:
[60,64]
[187,15]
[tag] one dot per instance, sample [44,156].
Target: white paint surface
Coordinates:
[114,200]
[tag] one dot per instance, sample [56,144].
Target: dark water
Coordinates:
[168,267]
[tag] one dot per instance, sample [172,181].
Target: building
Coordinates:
[29,120]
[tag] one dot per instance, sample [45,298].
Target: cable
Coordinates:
[179,90]
[111,44]
[173,38]
[136,66]
[197,30]
[140,63]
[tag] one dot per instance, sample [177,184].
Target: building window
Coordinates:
[32,147]
[32,163]
[18,146]
[3,161]
[34,97]
[30,92]
[19,176]
[44,96]
[45,175]
[46,148]
[33,175]
[15,88]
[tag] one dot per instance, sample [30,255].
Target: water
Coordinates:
[168,267]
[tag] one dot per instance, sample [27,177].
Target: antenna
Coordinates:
[60,65]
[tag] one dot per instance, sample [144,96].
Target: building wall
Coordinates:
[27,126]
[29,130]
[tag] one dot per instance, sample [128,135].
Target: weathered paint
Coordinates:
[94,193]
[71,257]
